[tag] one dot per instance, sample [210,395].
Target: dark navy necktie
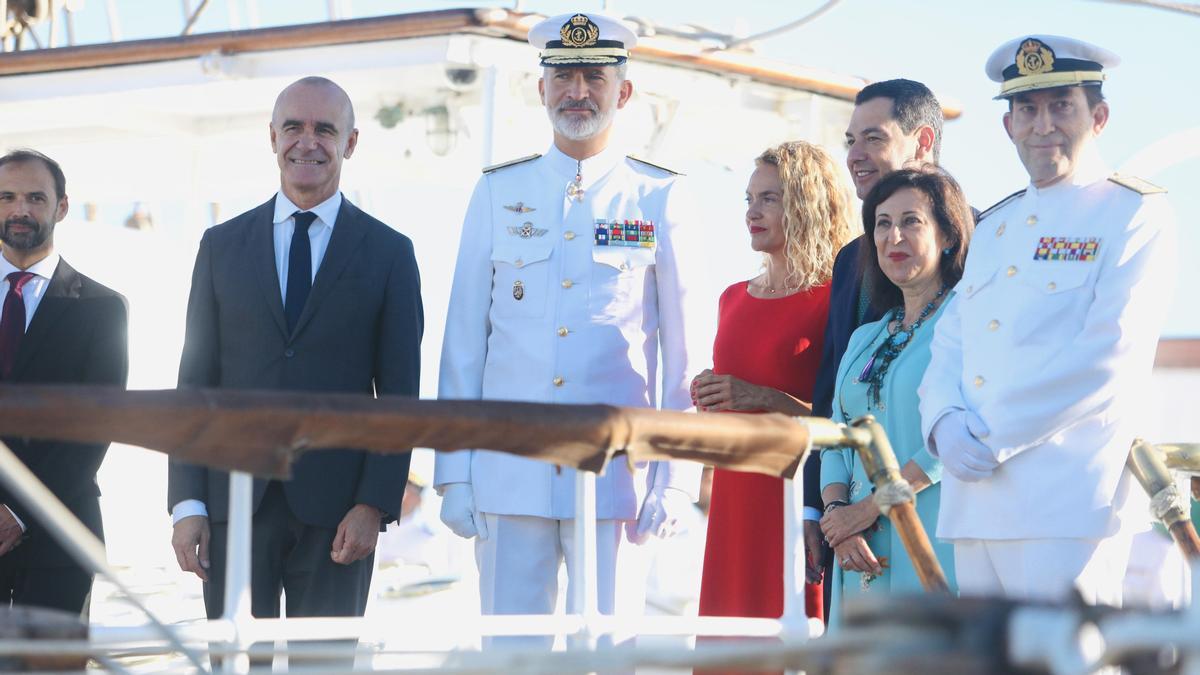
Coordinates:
[299,277]
[12,324]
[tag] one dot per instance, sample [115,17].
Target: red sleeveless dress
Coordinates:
[773,343]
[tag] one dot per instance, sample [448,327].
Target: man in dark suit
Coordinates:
[56,327]
[303,293]
[894,123]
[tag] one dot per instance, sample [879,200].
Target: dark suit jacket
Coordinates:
[847,311]
[78,335]
[359,332]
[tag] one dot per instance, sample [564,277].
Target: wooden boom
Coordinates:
[882,467]
[263,432]
[1148,465]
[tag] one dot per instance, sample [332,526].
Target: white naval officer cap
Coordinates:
[1045,61]
[580,39]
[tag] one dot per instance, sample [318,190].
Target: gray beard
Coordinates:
[577,128]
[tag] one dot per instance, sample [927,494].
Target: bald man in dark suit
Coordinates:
[303,293]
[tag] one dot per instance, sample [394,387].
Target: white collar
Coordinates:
[593,167]
[326,211]
[43,268]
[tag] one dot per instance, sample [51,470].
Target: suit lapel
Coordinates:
[262,254]
[63,290]
[348,232]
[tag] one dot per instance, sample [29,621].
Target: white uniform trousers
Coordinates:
[1043,569]
[1158,576]
[519,562]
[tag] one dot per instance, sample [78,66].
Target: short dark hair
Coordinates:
[913,106]
[27,155]
[951,214]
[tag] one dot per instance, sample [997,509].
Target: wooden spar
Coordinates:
[36,623]
[348,31]
[482,21]
[262,432]
[881,466]
[1149,466]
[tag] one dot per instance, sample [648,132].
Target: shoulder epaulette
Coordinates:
[1138,185]
[639,160]
[512,162]
[988,211]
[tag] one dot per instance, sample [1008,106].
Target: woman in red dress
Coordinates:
[768,346]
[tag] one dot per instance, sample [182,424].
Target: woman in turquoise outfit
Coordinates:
[918,225]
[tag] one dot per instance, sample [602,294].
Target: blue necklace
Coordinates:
[877,366]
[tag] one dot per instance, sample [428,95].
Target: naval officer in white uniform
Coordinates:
[567,290]
[1048,340]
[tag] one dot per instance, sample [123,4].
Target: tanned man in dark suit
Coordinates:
[303,293]
[56,327]
[894,123]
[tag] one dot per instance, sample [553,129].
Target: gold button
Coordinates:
[567,283]
[1000,230]
[978,380]
[993,324]
[519,263]
[568,235]
[562,331]
[558,381]
[1051,286]
[1012,270]
[1031,220]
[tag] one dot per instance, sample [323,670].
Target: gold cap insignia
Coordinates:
[1034,58]
[579,31]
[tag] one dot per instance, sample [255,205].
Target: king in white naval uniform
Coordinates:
[567,287]
[1050,337]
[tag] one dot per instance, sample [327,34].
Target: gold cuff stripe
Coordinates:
[1047,80]
[584,52]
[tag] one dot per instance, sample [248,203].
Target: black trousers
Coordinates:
[289,556]
[65,588]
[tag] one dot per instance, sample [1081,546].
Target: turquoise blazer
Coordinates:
[899,414]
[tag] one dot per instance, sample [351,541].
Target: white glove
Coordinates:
[660,515]
[956,442]
[459,512]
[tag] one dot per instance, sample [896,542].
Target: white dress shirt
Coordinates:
[284,225]
[35,288]
[31,293]
[318,233]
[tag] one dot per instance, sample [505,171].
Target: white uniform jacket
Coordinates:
[546,308]
[1049,338]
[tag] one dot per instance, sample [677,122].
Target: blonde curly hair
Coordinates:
[816,211]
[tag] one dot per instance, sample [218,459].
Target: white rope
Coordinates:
[1166,500]
[891,494]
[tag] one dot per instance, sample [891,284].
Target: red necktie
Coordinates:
[12,322]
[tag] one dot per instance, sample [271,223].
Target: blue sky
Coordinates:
[944,43]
